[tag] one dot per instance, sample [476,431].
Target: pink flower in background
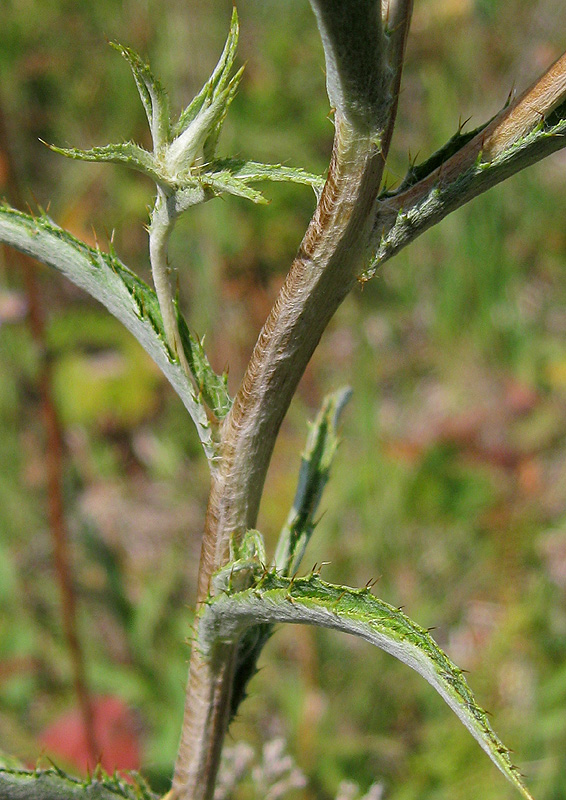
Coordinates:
[115,732]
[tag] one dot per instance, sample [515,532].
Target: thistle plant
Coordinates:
[243,591]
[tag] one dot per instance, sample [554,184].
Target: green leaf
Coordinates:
[225,182]
[106,279]
[216,82]
[273,598]
[54,784]
[195,141]
[127,153]
[213,387]
[224,101]
[251,171]
[313,476]
[153,97]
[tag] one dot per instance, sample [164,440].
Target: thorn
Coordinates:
[431,629]
[31,212]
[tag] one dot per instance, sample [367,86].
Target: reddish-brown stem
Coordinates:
[54,458]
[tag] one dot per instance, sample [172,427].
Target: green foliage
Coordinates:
[408,335]
[313,476]
[54,784]
[183,158]
[272,598]
[110,282]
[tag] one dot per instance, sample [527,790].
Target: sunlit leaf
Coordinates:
[313,476]
[153,96]
[274,599]
[106,279]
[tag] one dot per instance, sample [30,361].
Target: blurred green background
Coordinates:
[450,482]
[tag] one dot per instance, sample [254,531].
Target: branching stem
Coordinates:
[507,145]
[162,224]
[322,274]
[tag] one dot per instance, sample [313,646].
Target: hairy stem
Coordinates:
[512,141]
[162,224]
[322,274]
[397,21]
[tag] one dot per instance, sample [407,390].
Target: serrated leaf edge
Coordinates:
[274,599]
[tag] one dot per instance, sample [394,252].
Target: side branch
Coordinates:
[531,128]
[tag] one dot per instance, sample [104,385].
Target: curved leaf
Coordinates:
[109,281]
[252,171]
[213,387]
[54,784]
[152,94]
[217,81]
[312,601]
[127,153]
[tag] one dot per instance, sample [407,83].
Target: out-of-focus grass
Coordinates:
[449,482]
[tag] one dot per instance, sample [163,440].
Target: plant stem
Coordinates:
[398,15]
[504,147]
[321,276]
[162,224]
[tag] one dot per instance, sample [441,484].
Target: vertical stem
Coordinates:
[398,15]
[322,274]
[162,224]
[54,468]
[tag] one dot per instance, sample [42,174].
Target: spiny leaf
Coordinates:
[273,599]
[54,784]
[249,650]
[195,139]
[224,99]
[127,153]
[153,96]
[418,172]
[216,82]
[213,387]
[478,174]
[313,476]
[251,171]
[221,182]
[106,279]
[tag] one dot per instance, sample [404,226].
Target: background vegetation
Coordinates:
[450,483]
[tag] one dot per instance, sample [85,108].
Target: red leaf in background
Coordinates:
[115,732]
